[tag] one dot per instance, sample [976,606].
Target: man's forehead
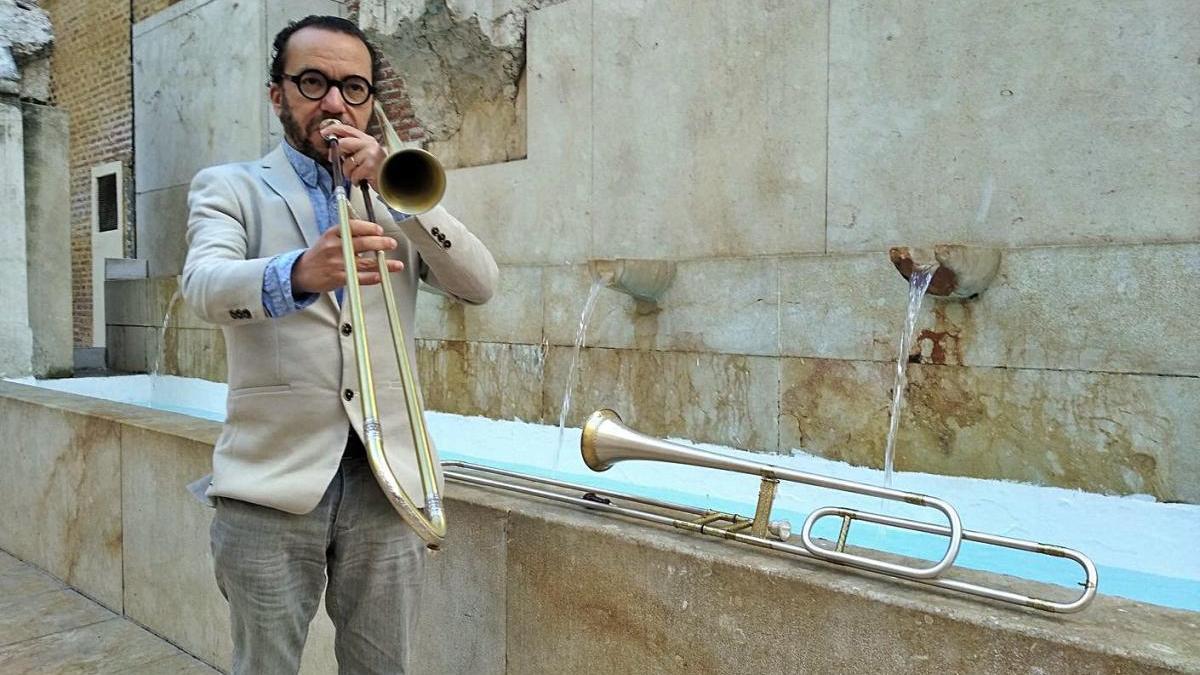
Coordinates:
[312,46]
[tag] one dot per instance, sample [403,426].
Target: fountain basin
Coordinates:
[97,489]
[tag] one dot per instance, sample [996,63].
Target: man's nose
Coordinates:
[333,102]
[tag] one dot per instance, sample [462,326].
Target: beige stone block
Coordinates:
[841,306]
[709,128]
[464,594]
[537,210]
[717,398]
[1111,309]
[168,563]
[725,306]
[1099,432]
[513,315]
[1004,123]
[61,491]
[496,380]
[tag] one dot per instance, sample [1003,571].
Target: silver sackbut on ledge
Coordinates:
[606,441]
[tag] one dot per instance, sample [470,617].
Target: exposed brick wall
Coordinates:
[392,95]
[91,78]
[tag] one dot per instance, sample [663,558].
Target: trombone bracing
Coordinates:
[411,181]
[606,441]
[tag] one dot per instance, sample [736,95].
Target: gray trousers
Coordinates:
[271,566]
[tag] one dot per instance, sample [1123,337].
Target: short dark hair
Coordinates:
[330,23]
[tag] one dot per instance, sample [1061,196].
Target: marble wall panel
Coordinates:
[718,398]
[496,380]
[725,306]
[538,210]
[513,315]
[462,627]
[1011,124]
[162,229]
[709,133]
[198,95]
[169,582]
[1103,308]
[606,597]
[1099,432]
[61,492]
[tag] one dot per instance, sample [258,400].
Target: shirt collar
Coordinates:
[310,172]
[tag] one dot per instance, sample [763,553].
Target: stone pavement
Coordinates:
[46,628]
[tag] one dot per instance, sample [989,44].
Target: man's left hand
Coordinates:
[361,153]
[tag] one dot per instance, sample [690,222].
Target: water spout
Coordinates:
[962,271]
[644,280]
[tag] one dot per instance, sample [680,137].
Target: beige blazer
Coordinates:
[293,387]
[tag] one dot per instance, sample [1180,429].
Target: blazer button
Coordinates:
[233,314]
[435,232]
[346,331]
[348,394]
[446,243]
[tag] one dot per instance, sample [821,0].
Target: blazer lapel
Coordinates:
[281,177]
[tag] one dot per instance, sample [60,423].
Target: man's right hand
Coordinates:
[321,269]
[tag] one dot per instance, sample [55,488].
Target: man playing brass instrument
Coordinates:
[295,499]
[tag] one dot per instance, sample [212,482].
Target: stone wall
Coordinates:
[775,151]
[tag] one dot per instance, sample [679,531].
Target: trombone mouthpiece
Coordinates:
[325,124]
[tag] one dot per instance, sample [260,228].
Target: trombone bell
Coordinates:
[411,181]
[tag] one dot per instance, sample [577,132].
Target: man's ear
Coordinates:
[275,93]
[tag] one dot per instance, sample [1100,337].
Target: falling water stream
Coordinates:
[918,283]
[571,374]
[161,347]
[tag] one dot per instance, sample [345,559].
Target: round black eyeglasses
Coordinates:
[313,85]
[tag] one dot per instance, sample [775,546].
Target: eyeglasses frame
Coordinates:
[329,83]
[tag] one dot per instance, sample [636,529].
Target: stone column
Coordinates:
[35,269]
[48,238]
[16,339]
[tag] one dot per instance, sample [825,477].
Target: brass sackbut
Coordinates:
[411,181]
[606,441]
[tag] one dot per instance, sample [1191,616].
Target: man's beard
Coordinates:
[300,137]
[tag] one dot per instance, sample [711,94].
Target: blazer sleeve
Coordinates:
[458,263]
[219,283]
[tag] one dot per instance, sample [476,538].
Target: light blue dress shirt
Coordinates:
[278,297]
